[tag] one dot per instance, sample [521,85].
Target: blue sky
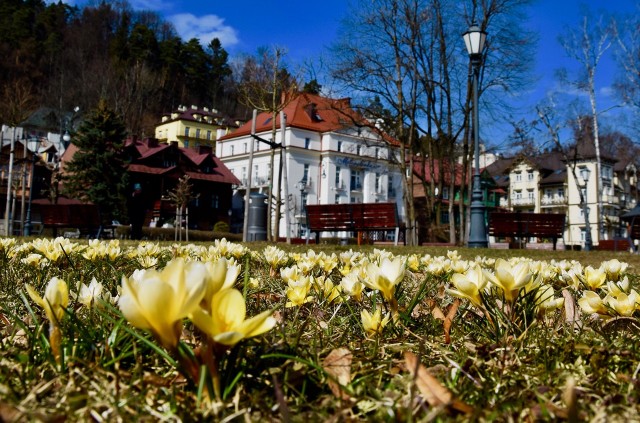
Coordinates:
[306,28]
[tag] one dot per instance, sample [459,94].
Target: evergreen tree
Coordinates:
[97,171]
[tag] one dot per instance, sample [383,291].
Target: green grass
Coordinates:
[514,366]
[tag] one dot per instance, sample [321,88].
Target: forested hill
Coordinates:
[61,57]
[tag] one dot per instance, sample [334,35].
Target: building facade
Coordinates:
[193,126]
[328,155]
[552,183]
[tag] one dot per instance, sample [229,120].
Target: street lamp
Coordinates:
[588,244]
[66,138]
[474,39]
[301,185]
[27,221]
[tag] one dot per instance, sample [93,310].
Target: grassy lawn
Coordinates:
[121,331]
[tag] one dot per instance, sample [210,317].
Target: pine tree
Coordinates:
[97,171]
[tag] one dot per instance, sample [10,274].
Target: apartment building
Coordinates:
[331,155]
[193,126]
[553,182]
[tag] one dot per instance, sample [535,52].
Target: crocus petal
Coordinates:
[258,325]
[228,338]
[228,310]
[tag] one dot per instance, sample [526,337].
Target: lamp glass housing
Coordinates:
[474,39]
[585,173]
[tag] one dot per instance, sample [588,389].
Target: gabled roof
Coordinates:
[311,112]
[207,166]
[423,169]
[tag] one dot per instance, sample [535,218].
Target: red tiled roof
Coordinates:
[312,112]
[133,167]
[228,178]
[423,170]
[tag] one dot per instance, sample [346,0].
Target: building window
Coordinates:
[215,201]
[339,145]
[390,190]
[377,153]
[245,147]
[377,183]
[337,199]
[186,143]
[186,131]
[208,135]
[244,175]
[338,169]
[445,193]
[530,175]
[561,192]
[530,194]
[305,173]
[307,143]
[198,133]
[359,150]
[356,179]
[231,148]
[518,177]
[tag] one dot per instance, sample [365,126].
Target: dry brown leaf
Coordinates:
[453,309]
[430,388]
[437,313]
[571,314]
[448,320]
[338,366]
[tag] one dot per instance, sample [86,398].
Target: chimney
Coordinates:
[204,149]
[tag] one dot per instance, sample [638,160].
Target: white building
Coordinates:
[331,156]
[546,184]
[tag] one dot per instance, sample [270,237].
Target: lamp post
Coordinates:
[27,221]
[301,185]
[588,244]
[474,40]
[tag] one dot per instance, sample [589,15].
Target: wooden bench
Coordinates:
[616,244]
[369,220]
[526,225]
[83,217]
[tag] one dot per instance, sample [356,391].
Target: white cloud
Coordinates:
[205,28]
[150,4]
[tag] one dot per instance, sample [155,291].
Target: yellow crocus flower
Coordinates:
[469,285]
[510,278]
[623,304]
[591,303]
[221,274]
[55,300]
[385,277]
[226,324]
[159,301]
[373,323]
[594,278]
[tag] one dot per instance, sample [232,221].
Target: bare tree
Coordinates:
[587,45]
[266,85]
[409,54]
[627,87]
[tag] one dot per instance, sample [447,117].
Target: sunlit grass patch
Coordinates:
[223,330]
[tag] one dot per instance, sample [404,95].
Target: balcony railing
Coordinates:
[526,201]
[553,200]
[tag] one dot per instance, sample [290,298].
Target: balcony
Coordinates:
[260,181]
[554,200]
[340,186]
[526,201]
